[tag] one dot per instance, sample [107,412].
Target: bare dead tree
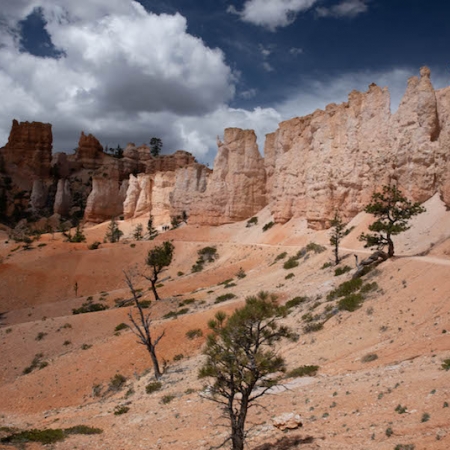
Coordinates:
[141,328]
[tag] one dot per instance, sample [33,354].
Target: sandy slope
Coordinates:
[349,405]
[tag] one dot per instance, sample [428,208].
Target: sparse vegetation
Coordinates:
[401,409]
[303,371]
[251,222]
[312,327]
[290,263]
[89,307]
[351,302]
[117,382]
[369,357]
[77,237]
[425,417]
[41,335]
[137,232]
[152,387]
[192,334]
[167,399]
[121,326]
[224,297]
[281,256]
[446,364]
[114,233]
[157,259]
[121,409]
[241,273]
[37,363]
[346,288]
[268,226]
[337,233]
[296,301]
[289,276]
[341,270]
[94,246]
[205,255]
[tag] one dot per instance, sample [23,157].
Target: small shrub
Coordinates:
[167,399]
[252,221]
[178,357]
[341,270]
[316,248]
[180,274]
[89,307]
[228,281]
[121,326]
[326,265]
[192,334]
[446,364]
[290,263]
[303,371]
[389,432]
[346,288]
[295,302]
[86,346]
[94,246]
[226,286]
[350,303]
[145,303]
[42,436]
[41,335]
[208,254]
[224,297]
[312,327]
[281,256]
[268,226]
[289,276]
[241,273]
[405,447]
[401,409]
[188,301]
[369,357]
[117,382]
[153,387]
[369,287]
[67,343]
[425,417]
[82,429]
[120,409]
[197,267]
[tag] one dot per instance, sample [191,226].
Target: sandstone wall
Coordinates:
[334,159]
[237,187]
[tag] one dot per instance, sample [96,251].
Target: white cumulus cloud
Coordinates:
[346,8]
[272,13]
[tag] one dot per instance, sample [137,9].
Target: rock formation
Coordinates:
[63,198]
[237,187]
[334,159]
[89,152]
[28,153]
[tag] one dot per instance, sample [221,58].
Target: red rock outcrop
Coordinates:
[89,152]
[28,153]
[237,187]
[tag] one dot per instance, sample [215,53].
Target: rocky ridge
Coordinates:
[332,159]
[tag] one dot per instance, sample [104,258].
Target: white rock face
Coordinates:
[63,198]
[287,421]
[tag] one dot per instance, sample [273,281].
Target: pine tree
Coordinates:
[114,233]
[337,233]
[393,211]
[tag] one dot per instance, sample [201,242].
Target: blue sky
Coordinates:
[184,70]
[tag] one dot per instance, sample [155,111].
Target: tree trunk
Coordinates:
[156,368]
[390,247]
[153,281]
[336,253]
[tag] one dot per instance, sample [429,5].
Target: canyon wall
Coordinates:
[334,159]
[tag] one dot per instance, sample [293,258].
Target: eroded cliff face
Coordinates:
[237,187]
[334,159]
[28,153]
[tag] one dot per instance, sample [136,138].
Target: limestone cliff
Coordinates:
[237,187]
[334,159]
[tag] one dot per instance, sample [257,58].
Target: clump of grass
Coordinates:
[121,409]
[49,436]
[121,326]
[82,429]
[401,409]
[178,357]
[346,288]
[41,335]
[89,307]
[303,371]
[326,265]
[281,256]
[316,248]
[241,273]
[341,270]
[117,382]
[145,303]
[224,297]
[350,303]
[86,346]
[226,286]
[425,417]
[369,357]
[446,364]
[369,287]
[188,301]
[227,281]
[289,276]
[152,387]
[251,222]
[192,334]
[36,363]
[296,301]
[290,263]
[167,399]
[268,226]
[312,327]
